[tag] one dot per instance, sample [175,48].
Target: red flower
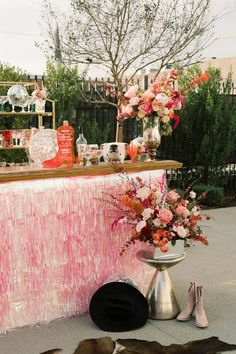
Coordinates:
[146,231]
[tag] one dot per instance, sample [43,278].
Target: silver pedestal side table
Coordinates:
[163,304]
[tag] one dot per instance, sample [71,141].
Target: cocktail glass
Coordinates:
[30,103]
[132,150]
[18,135]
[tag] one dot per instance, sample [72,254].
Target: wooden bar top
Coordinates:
[23,173]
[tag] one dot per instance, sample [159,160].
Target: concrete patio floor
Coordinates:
[214,267]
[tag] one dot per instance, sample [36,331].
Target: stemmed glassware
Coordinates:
[132,150]
[18,135]
[14,137]
[99,155]
[23,105]
[30,102]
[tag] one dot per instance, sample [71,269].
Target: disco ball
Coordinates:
[17,95]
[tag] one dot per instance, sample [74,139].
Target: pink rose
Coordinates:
[131,92]
[147,96]
[182,211]
[165,215]
[162,98]
[146,109]
[172,196]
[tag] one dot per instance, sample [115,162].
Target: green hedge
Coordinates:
[214,194]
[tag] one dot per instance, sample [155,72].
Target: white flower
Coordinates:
[146,214]
[192,194]
[140,225]
[128,109]
[156,222]
[195,211]
[143,193]
[134,101]
[190,241]
[162,98]
[166,111]
[165,119]
[181,231]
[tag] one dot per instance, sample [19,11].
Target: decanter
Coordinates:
[81,145]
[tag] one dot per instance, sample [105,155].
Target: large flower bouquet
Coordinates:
[161,101]
[157,215]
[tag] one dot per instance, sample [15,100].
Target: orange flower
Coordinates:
[138,208]
[132,204]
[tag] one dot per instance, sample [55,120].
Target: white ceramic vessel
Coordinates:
[113,152]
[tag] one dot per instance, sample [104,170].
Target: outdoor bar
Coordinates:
[57,246]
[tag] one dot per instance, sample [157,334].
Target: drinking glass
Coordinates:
[132,150]
[18,135]
[86,155]
[99,155]
[30,103]
[14,137]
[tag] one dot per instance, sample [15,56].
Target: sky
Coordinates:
[20,29]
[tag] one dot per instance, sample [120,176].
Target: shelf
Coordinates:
[23,173]
[12,148]
[45,114]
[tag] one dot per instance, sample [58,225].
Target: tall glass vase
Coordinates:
[151,135]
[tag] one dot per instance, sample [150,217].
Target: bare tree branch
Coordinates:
[127,36]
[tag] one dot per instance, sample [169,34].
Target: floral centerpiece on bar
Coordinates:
[157,215]
[156,107]
[160,102]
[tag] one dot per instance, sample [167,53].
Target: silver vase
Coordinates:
[151,135]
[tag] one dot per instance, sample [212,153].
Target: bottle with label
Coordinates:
[65,136]
[81,146]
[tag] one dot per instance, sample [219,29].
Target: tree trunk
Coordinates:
[119,132]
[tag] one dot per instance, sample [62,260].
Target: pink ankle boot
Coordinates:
[186,314]
[199,312]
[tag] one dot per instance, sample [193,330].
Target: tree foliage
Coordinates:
[126,36]
[63,85]
[207,132]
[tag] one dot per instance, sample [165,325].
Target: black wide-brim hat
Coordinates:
[118,307]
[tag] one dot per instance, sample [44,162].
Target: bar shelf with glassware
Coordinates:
[30,112]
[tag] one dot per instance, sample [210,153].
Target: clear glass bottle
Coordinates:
[81,145]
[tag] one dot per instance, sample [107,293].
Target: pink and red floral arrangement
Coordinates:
[162,100]
[157,215]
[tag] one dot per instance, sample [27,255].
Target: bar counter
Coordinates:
[57,247]
[22,173]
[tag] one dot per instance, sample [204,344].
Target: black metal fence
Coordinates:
[221,175]
[105,117]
